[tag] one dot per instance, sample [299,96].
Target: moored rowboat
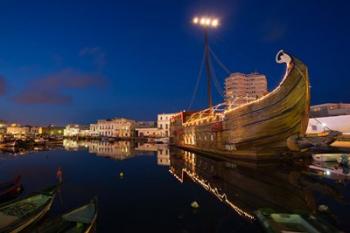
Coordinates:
[326,157]
[18,214]
[10,188]
[273,222]
[80,220]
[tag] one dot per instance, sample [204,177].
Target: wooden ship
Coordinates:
[258,130]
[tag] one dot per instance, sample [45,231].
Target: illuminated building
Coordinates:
[17,130]
[243,88]
[117,127]
[163,123]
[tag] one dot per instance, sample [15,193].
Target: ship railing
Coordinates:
[215,113]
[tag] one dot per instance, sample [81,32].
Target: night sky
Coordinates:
[79,61]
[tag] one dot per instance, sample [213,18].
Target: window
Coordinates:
[314,127]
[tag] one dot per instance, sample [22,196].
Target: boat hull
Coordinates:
[22,222]
[10,189]
[258,130]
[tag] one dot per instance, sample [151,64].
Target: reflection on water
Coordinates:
[242,190]
[287,189]
[120,150]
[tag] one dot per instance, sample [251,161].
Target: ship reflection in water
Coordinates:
[288,189]
[164,182]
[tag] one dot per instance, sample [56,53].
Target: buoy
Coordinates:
[322,208]
[194,205]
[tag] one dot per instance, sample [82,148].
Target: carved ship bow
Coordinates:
[260,129]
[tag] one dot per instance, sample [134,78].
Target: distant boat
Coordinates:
[82,220]
[256,130]
[19,214]
[10,188]
[8,144]
[273,222]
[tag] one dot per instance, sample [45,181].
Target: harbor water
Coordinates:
[154,188]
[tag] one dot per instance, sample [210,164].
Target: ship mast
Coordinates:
[206,23]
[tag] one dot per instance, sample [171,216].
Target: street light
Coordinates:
[206,23]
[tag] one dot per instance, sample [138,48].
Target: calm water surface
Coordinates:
[158,186]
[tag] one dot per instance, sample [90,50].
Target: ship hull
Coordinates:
[258,130]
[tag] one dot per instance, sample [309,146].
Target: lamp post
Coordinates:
[206,23]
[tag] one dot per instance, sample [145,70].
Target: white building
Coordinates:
[163,123]
[117,127]
[322,124]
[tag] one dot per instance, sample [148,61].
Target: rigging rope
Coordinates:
[197,82]
[219,62]
[216,82]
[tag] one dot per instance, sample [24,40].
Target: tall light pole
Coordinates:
[206,23]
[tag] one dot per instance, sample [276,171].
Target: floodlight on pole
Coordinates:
[206,23]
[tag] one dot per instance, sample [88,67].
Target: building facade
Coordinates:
[329,109]
[18,131]
[117,127]
[163,123]
[243,88]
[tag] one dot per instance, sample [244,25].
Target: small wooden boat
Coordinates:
[285,222]
[332,171]
[80,220]
[326,157]
[18,214]
[10,188]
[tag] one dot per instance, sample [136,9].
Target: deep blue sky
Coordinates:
[79,61]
